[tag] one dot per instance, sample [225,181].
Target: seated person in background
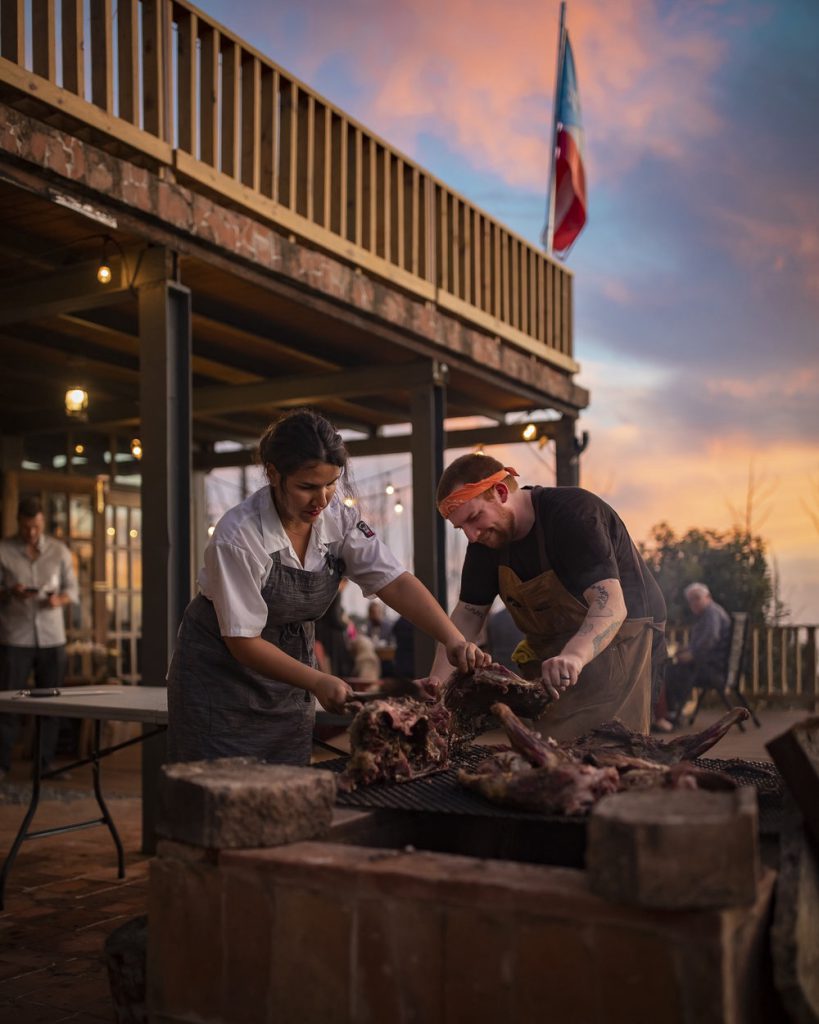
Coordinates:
[502,636]
[331,632]
[403,636]
[702,662]
[366,663]
[376,628]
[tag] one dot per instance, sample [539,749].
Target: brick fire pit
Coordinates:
[327,928]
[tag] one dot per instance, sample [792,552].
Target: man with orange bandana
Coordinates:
[565,566]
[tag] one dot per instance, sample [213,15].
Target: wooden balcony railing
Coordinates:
[176,88]
[779,667]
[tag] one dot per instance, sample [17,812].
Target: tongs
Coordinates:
[394,686]
[365,698]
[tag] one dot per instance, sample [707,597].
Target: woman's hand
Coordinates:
[332,693]
[465,655]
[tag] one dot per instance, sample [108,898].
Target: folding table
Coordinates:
[146,704]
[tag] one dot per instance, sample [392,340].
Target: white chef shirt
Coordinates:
[26,623]
[237,558]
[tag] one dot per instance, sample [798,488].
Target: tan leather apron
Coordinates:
[615,684]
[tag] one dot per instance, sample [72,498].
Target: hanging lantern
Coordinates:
[76,403]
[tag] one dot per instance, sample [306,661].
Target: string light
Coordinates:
[79,449]
[349,502]
[136,448]
[529,432]
[389,489]
[399,508]
[210,530]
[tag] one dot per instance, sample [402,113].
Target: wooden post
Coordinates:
[568,462]
[165,402]
[428,405]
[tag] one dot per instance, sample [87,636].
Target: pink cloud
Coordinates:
[481,76]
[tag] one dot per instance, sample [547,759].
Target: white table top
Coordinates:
[117,703]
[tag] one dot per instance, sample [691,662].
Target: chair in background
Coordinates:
[727,681]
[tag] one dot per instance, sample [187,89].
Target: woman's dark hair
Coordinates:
[301,438]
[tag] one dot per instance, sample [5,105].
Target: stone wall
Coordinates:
[338,934]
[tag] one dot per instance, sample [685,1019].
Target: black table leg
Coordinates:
[32,808]
[106,816]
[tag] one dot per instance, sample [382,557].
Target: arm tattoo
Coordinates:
[600,601]
[474,610]
[599,641]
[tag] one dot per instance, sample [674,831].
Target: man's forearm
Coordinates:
[606,614]
[469,619]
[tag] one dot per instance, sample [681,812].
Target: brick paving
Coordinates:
[63,897]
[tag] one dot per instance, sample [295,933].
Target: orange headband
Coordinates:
[466,492]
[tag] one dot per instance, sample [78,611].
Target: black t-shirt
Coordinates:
[585,541]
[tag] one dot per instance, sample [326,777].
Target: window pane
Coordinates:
[81,518]
[124,609]
[122,569]
[121,516]
[57,522]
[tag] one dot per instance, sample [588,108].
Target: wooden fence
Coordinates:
[779,665]
[177,89]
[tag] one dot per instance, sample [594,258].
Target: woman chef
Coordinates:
[243,678]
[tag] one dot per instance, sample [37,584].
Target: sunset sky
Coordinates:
[697,277]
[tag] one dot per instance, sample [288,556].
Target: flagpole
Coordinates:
[547,238]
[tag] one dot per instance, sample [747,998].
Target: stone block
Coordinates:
[125,955]
[238,803]
[796,754]
[399,962]
[795,934]
[676,850]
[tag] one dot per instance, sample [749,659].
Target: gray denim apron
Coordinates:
[219,708]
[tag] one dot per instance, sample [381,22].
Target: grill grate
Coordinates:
[441,793]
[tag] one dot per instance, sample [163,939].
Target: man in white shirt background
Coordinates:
[37,581]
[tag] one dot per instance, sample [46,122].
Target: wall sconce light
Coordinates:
[529,432]
[136,448]
[76,403]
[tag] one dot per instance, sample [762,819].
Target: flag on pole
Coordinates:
[568,199]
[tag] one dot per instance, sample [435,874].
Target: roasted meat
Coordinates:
[611,741]
[542,776]
[413,729]
[470,696]
[395,740]
[564,788]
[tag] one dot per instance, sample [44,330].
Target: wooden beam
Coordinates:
[510,433]
[63,291]
[287,391]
